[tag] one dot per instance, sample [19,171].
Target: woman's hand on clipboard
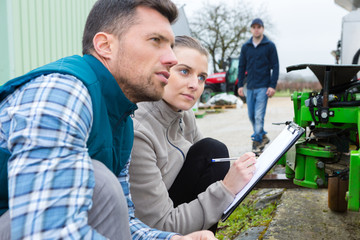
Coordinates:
[240,173]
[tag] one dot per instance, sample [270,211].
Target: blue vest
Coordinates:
[112,134]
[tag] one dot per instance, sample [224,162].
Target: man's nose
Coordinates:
[169,59]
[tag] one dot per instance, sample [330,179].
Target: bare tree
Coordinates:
[222,28]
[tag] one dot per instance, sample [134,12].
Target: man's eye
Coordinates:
[184,71]
[155,39]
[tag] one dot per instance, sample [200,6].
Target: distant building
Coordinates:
[181,26]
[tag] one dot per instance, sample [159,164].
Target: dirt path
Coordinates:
[304,214]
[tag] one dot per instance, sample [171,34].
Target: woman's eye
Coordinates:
[202,78]
[184,71]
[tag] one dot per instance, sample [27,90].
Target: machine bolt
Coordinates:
[320,165]
[324,115]
[320,182]
[314,102]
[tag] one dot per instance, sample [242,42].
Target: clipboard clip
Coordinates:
[291,126]
[282,123]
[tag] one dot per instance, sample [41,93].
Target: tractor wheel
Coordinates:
[206,95]
[337,189]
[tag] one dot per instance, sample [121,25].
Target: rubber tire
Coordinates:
[206,95]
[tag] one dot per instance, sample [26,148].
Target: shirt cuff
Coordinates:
[227,190]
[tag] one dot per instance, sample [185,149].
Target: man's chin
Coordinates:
[150,97]
[157,94]
[155,98]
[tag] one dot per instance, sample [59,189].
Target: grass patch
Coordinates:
[244,217]
[285,93]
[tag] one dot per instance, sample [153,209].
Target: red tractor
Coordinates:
[222,82]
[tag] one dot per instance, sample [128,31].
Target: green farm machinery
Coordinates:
[328,153]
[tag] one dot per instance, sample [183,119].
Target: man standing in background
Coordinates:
[259,59]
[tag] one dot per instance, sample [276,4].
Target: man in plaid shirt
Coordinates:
[57,119]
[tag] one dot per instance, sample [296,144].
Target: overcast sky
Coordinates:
[304,31]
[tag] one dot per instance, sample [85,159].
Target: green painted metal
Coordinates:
[353,195]
[38,32]
[307,172]
[282,160]
[310,175]
[4,41]
[299,101]
[315,151]
[302,115]
[289,172]
[300,167]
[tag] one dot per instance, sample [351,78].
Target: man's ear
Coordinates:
[103,44]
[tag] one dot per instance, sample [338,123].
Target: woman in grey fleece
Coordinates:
[174,185]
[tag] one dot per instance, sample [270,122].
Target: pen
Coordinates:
[224,159]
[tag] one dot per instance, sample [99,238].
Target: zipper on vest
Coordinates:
[130,113]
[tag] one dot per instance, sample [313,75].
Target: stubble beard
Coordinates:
[148,91]
[258,37]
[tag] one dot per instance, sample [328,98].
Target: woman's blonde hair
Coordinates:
[189,42]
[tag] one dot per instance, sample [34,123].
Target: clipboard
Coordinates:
[279,146]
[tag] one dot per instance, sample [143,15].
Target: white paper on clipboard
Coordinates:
[278,147]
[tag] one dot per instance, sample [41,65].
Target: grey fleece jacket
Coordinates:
[162,140]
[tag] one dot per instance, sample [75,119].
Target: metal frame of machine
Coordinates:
[328,154]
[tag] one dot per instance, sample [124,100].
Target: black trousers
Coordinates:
[198,172]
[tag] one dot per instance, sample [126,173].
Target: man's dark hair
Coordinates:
[117,16]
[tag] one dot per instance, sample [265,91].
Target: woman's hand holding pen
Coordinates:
[240,172]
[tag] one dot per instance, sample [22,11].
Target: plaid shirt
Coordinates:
[45,125]
[138,229]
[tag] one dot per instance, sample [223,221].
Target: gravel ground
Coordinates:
[302,213]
